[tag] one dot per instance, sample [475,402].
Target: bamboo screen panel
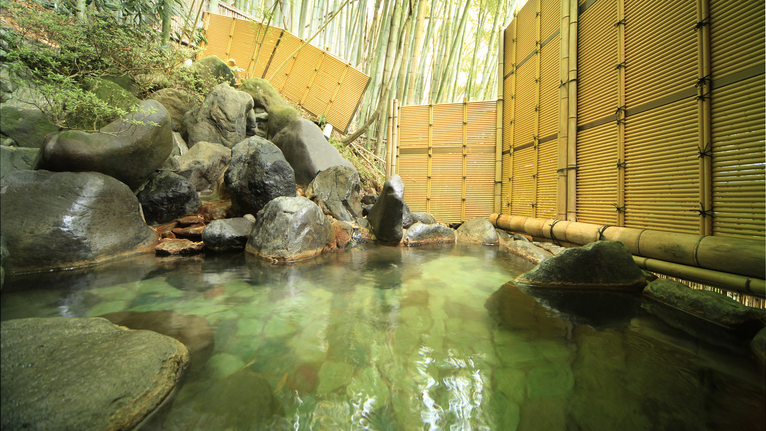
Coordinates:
[738,190]
[509,88]
[522,199]
[597,175]
[551,21]
[318,81]
[662,172]
[549,89]
[596,61]
[546,180]
[526,33]
[461,140]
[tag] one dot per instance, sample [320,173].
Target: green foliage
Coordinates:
[368,175]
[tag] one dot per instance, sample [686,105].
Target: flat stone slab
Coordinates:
[84,374]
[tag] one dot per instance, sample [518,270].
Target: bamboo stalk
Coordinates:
[499,114]
[562,172]
[572,126]
[621,114]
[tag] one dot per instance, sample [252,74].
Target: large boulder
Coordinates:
[168,196]
[84,374]
[128,149]
[227,234]
[111,93]
[479,230]
[423,234]
[422,217]
[258,173]
[336,191]
[16,159]
[56,220]
[263,94]
[25,124]
[204,165]
[715,318]
[177,102]
[307,151]
[386,215]
[222,118]
[279,117]
[526,250]
[290,229]
[193,331]
[213,69]
[598,265]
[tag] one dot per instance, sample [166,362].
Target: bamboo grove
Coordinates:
[417,51]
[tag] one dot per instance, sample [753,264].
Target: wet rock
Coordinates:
[3,258]
[598,309]
[98,389]
[715,318]
[204,165]
[179,247]
[598,265]
[222,118]
[227,234]
[422,217]
[503,235]
[16,159]
[306,149]
[343,234]
[177,103]
[25,124]
[478,230]
[263,94]
[550,247]
[128,149]
[336,191]
[241,401]
[258,173]
[422,234]
[386,216]
[168,196]
[369,199]
[279,117]
[758,345]
[333,375]
[290,229]
[68,219]
[526,250]
[193,331]
[213,69]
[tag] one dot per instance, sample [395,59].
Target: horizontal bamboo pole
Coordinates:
[724,255]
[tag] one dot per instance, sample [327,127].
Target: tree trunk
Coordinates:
[421,76]
[489,65]
[477,35]
[417,50]
[406,37]
[167,19]
[460,34]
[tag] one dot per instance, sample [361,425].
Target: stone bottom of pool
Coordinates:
[395,338]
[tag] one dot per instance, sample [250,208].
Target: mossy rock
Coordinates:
[279,117]
[26,125]
[263,94]
[213,68]
[112,93]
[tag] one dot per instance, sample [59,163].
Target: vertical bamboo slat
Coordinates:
[703,110]
[231,38]
[536,126]
[499,115]
[561,171]
[430,155]
[389,141]
[464,159]
[572,127]
[620,207]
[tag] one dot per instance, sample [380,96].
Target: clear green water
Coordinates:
[410,339]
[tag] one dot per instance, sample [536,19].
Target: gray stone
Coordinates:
[67,219]
[550,247]
[478,230]
[387,214]
[16,159]
[307,151]
[84,374]
[336,191]
[204,165]
[213,69]
[111,93]
[177,103]
[168,196]
[222,118]
[128,149]
[422,217]
[258,173]
[25,124]
[193,331]
[710,306]
[369,199]
[526,250]
[290,229]
[263,94]
[598,265]
[422,234]
[179,145]
[227,234]
[279,117]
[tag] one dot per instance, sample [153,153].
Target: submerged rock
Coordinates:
[129,149]
[479,230]
[336,191]
[290,229]
[526,250]
[168,196]
[306,149]
[598,265]
[56,220]
[386,215]
[73,374]
[258,173]
[227,234]
[422,234]
[177,246]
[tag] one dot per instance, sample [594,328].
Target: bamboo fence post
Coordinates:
[704,121]
[499,110]
[536,117]
[389,141]
[430,154]
[512,123]
[337,88]
[465,159]
[311,81]
[231,38]
[561,179]
[621,109]
[395,137]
